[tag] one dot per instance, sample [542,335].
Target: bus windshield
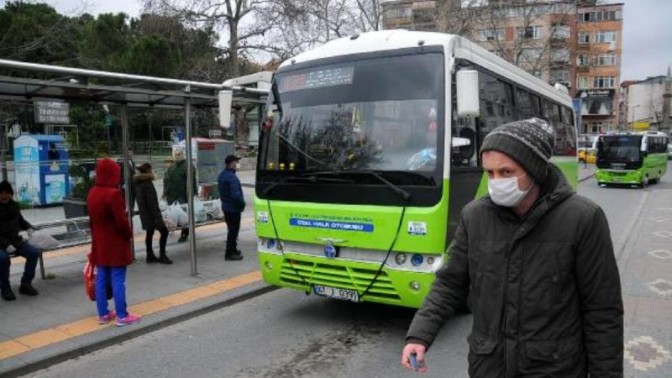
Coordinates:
[619,149]
[380,114]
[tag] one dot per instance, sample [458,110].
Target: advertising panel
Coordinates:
[27,170]
[597,101]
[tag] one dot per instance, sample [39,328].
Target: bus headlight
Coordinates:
[430,260]
[400,258]
[268,265]
[414,285]
[416,260]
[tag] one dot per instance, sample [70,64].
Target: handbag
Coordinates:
[90,281]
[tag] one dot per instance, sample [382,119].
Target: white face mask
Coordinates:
[505,191]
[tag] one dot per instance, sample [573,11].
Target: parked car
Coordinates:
[669,151]
[590,159]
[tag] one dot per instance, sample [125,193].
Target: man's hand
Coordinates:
[418,352]
[10,249]
[31,231]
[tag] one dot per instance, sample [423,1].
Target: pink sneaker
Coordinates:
[107,318]
[128,320]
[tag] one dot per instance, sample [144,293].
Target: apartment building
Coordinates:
[646,103]
[599,32]
[574,43]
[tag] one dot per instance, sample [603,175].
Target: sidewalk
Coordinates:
[61,322]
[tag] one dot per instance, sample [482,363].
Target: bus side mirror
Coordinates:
[225,98]
[468,104]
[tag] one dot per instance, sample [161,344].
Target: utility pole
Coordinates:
[3,150]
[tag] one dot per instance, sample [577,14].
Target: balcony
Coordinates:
[583,68]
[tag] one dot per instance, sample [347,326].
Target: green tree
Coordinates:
[151,55]
[104,41]
[37,33]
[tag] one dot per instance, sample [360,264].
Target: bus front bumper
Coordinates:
[305,272]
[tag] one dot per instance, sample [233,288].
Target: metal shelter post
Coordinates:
[190,179]
[127,174]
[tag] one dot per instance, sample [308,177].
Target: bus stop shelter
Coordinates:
[125,91]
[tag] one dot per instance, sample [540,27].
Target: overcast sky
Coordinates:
[647,34]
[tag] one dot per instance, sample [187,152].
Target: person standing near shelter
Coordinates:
[150,214]
[538,264]
[233,204]
[175,186]
[111,236]
[131,171]
[11,222]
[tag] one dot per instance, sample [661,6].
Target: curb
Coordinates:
[587,177]
[42,359]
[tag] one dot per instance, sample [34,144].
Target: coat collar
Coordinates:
[142,177]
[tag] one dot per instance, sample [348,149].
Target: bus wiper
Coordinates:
[401,192]
[303,178]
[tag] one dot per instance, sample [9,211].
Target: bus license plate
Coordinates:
[336,293]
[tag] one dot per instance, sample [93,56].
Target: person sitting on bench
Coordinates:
[11,222]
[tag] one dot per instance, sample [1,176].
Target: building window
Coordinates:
[599,16]
[491,34]
[606,60]
[398,12]
[583,60]
[600,126]
[603,82]
[605,37]
[560,76]
[530,55]
[584,37]
[560,32]
[583,82]
[530,32]
[560,55]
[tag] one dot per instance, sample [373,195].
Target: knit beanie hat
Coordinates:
[529,142]
[6,187]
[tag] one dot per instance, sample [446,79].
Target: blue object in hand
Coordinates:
[414,362]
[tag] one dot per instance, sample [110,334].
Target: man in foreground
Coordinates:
[537,262]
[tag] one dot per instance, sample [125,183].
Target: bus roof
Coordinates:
[460,47]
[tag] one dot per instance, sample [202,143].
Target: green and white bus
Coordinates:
[631,158]
[369,151]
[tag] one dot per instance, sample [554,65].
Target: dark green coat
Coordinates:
[148,201]
[175,183]
[545,290]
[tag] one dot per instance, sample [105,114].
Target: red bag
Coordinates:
[90,281]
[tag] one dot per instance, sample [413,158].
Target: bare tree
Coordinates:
[304,24]
[540,31]
[235,17]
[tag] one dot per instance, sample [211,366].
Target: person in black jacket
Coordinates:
[537,263]
[233,204]
[11,222]
[150,214]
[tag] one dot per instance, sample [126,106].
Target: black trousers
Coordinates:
[162,241]
[232,220]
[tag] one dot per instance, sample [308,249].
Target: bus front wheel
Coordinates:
[644,182]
